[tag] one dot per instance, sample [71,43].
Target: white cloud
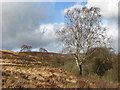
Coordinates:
[109,8]
[78,5]
[48,31]
[48,34]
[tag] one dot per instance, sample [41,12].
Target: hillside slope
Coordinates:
[26,71]
[35,70]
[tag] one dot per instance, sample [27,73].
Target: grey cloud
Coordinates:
[20,20]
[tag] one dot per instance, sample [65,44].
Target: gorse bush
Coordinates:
[101,59]
[100,67]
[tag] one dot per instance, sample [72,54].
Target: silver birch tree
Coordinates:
[82,31]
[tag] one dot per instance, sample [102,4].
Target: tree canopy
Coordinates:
[25,48]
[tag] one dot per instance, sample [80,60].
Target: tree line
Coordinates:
[27,48]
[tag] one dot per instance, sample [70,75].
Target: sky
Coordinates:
[35,23]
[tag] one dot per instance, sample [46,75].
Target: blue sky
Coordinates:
[59,7]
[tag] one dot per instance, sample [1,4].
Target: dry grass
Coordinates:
[35,77]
